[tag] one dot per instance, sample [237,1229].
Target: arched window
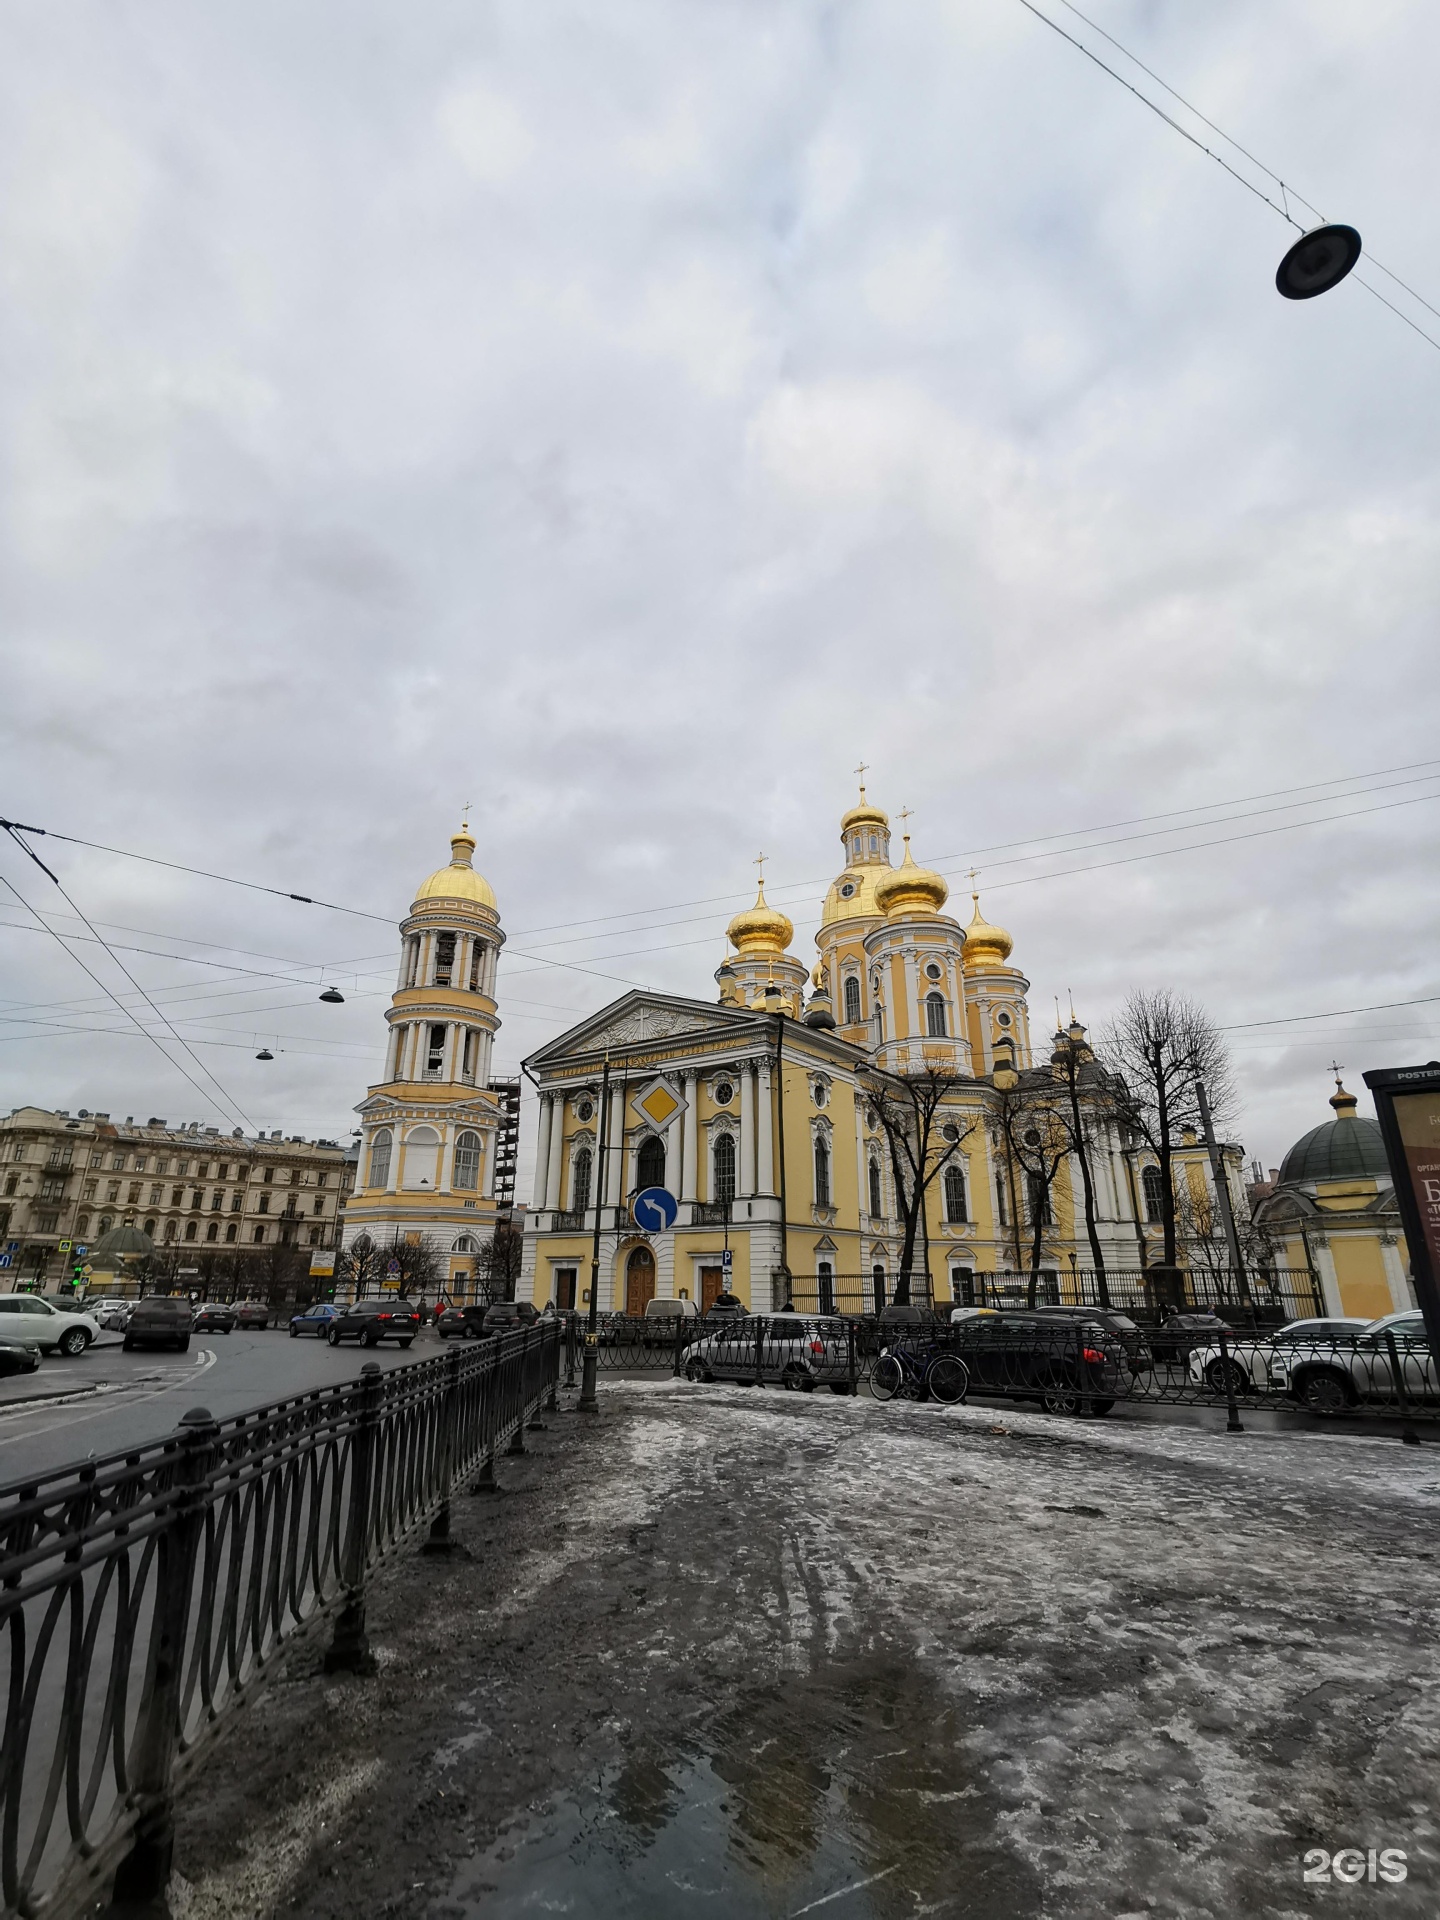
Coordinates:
[380,1158]
[1039,1201]
[232,1231]
[935,1015]
[825,1276]
[464,1243]
[650,1162]
[877,1202]
[877,1281]
[169,1229]
[580,1180]
[822,1174]
[82,1226]
[723,1185]
[149,1228]
[467,1161]
[189,1229]
[1154,1194]
[212,1232]
[422,1154]
[852,1001]
[955,1195]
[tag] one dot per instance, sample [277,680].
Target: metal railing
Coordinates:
[144,1594]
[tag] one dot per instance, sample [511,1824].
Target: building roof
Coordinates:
[458,881]
[1345,1148]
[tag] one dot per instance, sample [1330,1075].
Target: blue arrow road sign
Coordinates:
[6,1259]
[654,1209]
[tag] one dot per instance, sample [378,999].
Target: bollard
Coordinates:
[144,1874]
[1402,1392]
[349,1649]
[438,1540]
[759,1351]
[679,1342]
[1232,1410]
[854,1371]
[572,1337]
[588,1402]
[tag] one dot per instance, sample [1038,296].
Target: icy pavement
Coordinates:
[746,1653]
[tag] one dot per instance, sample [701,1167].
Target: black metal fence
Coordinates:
[1256,1297]
[143,1594]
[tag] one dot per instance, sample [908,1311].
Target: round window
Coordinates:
[1003,1018]
[847,892]
[819,1092]
[585,1110]
[950,1132]
[724,1093]
[932,972]
[1032,1136]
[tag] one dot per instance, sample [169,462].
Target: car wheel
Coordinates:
[695,1371]
[797,1380]
[332,1338]
[127,1345]
[294,1333]
[1326,1391]
[73,1342]
[370,1339]
[840,1386]
[1219,1371]
[182,1345]
[1059,1398]
[405,1343]
[1101,1406]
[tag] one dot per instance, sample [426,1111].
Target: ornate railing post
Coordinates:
[1402,1393]
[852,1372]
[572,1341]
[439,1540]
[349,1650]
[1229,1369]
[144,1874]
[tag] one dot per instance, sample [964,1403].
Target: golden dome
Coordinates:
[865,816]
[762,929]
[985,946]
[908,889]
[459,881]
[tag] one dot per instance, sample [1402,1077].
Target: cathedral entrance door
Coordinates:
[639,1281]
[711,1279]
[565,1289]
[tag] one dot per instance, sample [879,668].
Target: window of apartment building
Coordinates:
[132,1196]
[170,1229]
[258,1236]
[237,1200]
[112,1192]
[231,1231]
[190,1229]
[177,1196]
[96,1159]
[82,1226]
[139,1163]
[322,1179]
[12,1182]
[157,1194]
[293,1177]
[319,1207]
[150,1228]
[117,1163]
[48,1222]
[269,1175]
[217,1200]
[58,1157]
[87,1192]
[162,1166]
[197,1199]
[264,1204]
[315,1236]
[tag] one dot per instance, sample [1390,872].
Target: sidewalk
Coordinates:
[742,1653]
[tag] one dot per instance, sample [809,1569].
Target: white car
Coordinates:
[26,1316]
[796,1352]
[1258,1360]
[112,1315]
[1331,1376]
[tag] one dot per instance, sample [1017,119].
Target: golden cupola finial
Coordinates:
[762,928]
[459,881]
[1344,1103]
[985,946]
[909,889]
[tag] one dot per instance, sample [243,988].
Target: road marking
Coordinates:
[203,1361]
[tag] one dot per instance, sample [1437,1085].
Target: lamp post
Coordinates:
[1222,1190]
[592,1326]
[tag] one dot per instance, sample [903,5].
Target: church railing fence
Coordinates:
[145,1595]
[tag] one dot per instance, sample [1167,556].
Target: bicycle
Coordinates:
[919,1376]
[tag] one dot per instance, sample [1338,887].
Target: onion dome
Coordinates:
[762,929]
[865,815]
[1345,1148]
[908,889]
[459,881]
[985,946]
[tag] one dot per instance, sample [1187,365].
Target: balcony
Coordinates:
[711,1213]
[567,1222]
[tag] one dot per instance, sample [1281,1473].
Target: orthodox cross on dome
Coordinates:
[465,815]
[906,813]
[1337,1070]
[759,861]
[862,770]
[972,876]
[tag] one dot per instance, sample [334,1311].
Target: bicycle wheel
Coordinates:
[887,1377]
[946,1379]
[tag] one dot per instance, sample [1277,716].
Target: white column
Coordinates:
[557,1151]
[764,1134]
[542,1151]
[404,964]
[454,1037]
[912,995]
[691,1152]
[745,1175]
[1402,1294]
[1329,1284]
[614,1171]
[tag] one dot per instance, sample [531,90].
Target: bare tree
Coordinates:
[1037,1139]
[923,1139]
[1161,1044]
[1071,1058]
[413,1263]
[360,1265]
[497,1264]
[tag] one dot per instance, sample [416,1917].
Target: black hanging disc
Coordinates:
[264,1054]
[335,999]
[1318,261]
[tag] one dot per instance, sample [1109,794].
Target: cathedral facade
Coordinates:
[759,1113]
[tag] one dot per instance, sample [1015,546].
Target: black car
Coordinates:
[460,1323]
[213,1316]
[159,1320]
[1178,1336]
[371,1321]
[18,1356]
[1061,1358]
[505,1316]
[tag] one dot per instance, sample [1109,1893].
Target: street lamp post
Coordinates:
[588,1402]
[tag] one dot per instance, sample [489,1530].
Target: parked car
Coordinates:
[504,1316]
[371,1321]
[460,1323]
[31,1319]
[796,1350]
[1253,1356]
[313,1319]
[957,1314]
[1331,1376]
[661,1318]
[1179,1334]
[111,1316]
[213,1316]
[252,1313]
[17,1356]
[159,1320]
[1056,1356]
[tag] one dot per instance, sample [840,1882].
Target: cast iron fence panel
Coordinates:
[141,1594]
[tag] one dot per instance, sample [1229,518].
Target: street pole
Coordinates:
[1222,1188]
[588,1403]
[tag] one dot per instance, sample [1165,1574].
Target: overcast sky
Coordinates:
[626,419]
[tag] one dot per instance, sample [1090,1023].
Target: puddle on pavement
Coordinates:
[846,1796]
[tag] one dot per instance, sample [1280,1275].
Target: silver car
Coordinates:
[1254,1358]
[788,1349]
[1331,1376]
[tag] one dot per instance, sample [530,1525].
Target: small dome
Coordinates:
[1345,1148]
[459,881]
[864,816]
[761,929]
[908,889]
[121,1243]
[985,946]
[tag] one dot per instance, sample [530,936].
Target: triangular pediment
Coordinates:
[640,1018]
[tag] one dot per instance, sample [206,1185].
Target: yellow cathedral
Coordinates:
[753,1112]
